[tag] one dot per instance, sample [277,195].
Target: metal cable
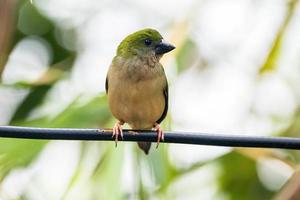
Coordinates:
[150,136]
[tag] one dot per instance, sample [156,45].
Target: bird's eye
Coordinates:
[147,42]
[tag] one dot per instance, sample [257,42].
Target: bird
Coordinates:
[137,86]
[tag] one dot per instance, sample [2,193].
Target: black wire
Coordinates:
[150,136]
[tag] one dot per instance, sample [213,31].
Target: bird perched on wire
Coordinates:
[137,86]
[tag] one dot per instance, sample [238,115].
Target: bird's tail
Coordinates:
[145,146]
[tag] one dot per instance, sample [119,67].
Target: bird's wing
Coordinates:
[106,84]
[166,97]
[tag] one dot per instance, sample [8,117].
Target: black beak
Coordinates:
[163,47]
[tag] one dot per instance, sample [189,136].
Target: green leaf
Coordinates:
[239,180]
[108,174]
[274,54]
[18,152]
[164,172]
[34,99]
[39,89]
[187,56]
[92,114]
[31,22]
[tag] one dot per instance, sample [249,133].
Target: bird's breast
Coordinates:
[138,103]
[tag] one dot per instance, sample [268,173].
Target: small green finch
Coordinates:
[137,86]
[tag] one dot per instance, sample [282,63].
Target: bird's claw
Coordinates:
[160,134]
[117,130]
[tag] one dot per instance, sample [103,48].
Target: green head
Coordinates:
[142,43]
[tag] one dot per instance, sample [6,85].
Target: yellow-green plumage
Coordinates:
[136,83]
[137,100]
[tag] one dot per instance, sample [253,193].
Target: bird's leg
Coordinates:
[117,130]
[160,133]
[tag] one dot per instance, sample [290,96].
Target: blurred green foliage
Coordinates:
[237,179]
[17,153]
[274,54]
[187,55]
[31,22]
[93,114]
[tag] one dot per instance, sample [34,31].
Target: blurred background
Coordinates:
[236,70]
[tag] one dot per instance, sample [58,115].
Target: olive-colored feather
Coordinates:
[136,83]
[137,99]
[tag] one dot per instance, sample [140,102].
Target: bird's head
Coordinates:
[143,43]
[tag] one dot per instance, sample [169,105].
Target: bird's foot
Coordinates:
[117,130]
[160,133]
